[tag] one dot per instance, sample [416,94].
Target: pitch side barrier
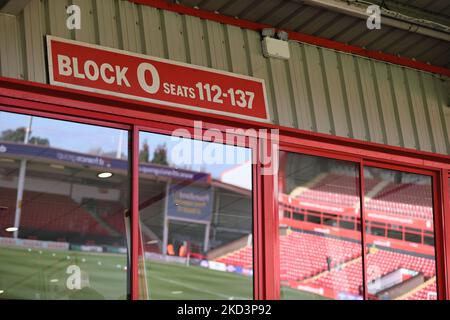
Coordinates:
[60,246]
[204,263]
[34,244]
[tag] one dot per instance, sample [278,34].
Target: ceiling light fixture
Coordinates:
[11,229]
[104,175]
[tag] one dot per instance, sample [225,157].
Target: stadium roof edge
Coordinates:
[297,36]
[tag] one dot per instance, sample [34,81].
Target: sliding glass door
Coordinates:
[399,216]
[325,253]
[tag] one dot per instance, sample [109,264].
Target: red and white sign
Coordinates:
[134,76]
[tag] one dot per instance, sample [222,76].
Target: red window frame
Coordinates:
[92,108]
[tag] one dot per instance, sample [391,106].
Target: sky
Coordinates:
[83,138]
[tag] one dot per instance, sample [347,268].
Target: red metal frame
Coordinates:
[362,216]
[73,105]
[297,36]
[440,256]
[268,195]
[445,194]
[258,237]
[259,290]
[135,213]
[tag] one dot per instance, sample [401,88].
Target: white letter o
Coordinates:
[143,67]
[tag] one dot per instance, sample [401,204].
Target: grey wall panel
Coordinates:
[129,26]
[369,100]
[400,93]
[388,106]
[447,120]
[237,50]
[432,109]
[107,19]
[10,65]
[300,98]
[34,30]
[317,89]
[88,32]
[420,116]
[153,41]
[217,48]
[259,67]
[315,77]
[57,21]
[174,36]
[197,48]
[442,97]
[334,92]
[281,93]
[357,127]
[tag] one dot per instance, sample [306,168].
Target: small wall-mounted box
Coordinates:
[275,48]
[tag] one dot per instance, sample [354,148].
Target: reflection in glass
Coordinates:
[320,248]
[62,227]
[400,235]
[195,219]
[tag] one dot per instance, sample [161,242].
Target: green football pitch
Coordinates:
[43,274]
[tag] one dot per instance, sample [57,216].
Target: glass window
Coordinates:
[413,235]
[320,256]
[63,195]
[400,265]
[195,219]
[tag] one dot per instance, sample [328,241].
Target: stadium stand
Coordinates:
[379,263]
[333,189]
[408,200]
[48,212]
[111,212]
[242,257]
[406,193]
[302,255]
[428,292]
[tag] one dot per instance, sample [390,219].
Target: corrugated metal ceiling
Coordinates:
[3,2]
[439,7]
[297,16]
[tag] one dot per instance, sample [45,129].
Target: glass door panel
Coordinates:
[64,191]
[319,228]
[195,213]
[399,235]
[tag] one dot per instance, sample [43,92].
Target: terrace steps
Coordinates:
[324,273]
